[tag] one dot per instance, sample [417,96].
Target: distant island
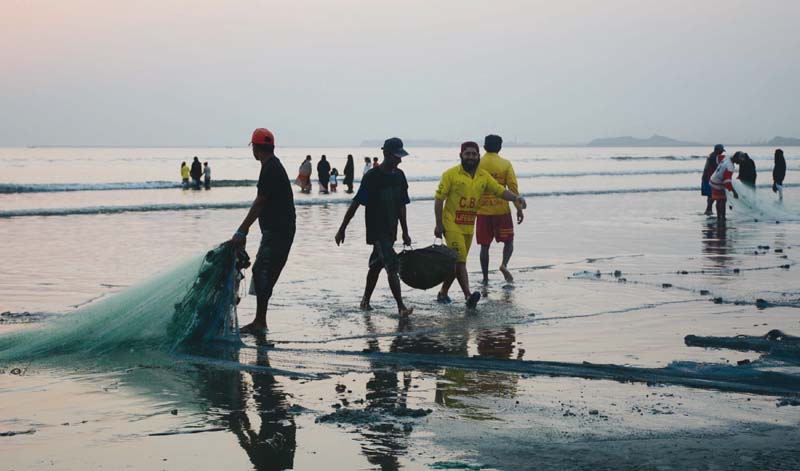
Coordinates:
[783,141]
[628,141]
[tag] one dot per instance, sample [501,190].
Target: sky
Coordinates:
[326,73]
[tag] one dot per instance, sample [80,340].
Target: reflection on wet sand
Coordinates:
[716,246]
[241,396]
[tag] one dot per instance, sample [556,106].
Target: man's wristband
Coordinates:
[240,233]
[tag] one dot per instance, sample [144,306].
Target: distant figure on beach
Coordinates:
[349,173]
[720,181]
[207,175]
[274,209]
[456,205]
[334,180]
[711,164]
[384,195]
[304,176]
[323,174]
[375,162]
[494,216]
[184,176]
[196,173]
[367,165]
[778,173]
[747,170]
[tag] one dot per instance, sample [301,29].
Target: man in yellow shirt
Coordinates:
[494,215]
[455,208]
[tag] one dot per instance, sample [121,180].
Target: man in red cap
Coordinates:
[274,209]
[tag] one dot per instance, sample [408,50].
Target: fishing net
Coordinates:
[427,267]
[180,309]
[761,204]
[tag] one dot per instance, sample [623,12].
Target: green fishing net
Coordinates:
[183,309]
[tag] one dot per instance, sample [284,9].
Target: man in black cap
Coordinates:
[384,194]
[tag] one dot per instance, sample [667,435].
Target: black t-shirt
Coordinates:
[382,195]
[278,213]
[747,171]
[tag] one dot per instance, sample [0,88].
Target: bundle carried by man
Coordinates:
[427,267]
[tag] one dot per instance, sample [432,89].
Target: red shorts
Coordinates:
[718,195]
[499,227]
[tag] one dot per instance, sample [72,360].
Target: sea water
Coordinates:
[79,225]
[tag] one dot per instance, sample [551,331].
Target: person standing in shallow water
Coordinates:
[207,175]
[274,209]
[323,173]
[384,194]
[184,176]
[196,173]
[455,208]
[367,165]
[778,173]
[747,170]
[720,181]
[712,161]
[494,216]
[349,173]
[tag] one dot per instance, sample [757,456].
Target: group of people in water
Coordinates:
[195,173]
[328,177]
[476,191]
[718,175]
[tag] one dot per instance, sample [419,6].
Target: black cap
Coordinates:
[394,146]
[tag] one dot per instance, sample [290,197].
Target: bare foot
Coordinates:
[254,329]
[364,306]
[405,311]
[485,282]
[506,274]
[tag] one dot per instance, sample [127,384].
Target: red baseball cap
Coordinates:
[262,136]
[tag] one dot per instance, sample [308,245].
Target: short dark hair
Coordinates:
[270,148]
[493,143]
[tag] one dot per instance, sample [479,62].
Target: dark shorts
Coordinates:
[705,188]
[383,256]
[499,227]
[270,260]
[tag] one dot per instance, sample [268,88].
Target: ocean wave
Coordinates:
[14,188]
[10,188]
[314,201]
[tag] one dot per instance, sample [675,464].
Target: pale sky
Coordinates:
[196,73]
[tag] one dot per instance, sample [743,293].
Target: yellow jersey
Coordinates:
[503,173]
[461,192]
[185,172]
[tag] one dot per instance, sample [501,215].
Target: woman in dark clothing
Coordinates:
[324,174]
[778,173]
[349,171]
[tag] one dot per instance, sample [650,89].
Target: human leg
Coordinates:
[375,267]
[270,260]
[456,241]
[484,234]
[485,264]
[504,232]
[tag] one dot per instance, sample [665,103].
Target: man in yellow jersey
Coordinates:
[456,205]
[494,216]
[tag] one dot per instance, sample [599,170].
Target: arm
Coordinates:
[351,211]
[511,181]
[438,208]
[404,225]
[240,237]
[514,198]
